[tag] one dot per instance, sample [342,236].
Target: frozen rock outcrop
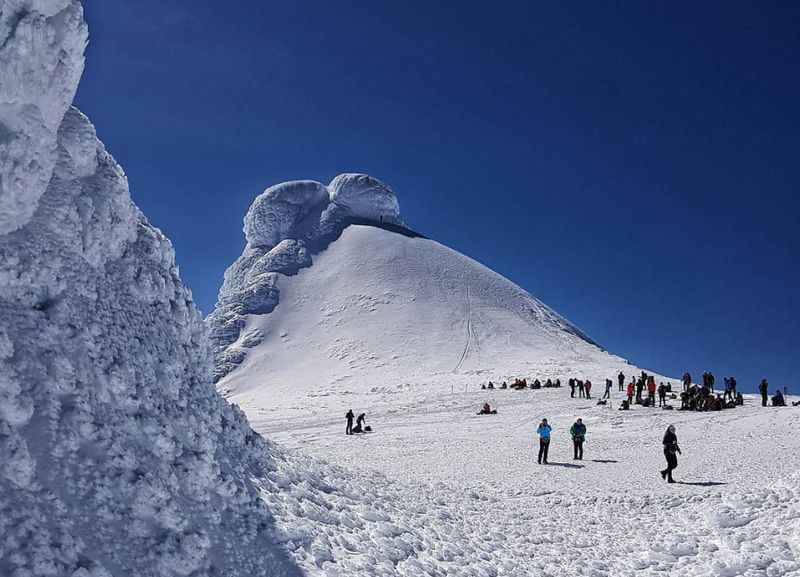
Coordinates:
[284,227]
[118,456]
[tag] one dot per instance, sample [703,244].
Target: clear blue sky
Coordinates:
[634,165]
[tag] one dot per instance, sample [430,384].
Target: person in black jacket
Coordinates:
[671,452]
[621,381]
[349,416]
[762,388]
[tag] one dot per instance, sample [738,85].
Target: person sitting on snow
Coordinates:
[487,410]
[778,400]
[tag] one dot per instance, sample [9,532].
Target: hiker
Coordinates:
[739,399]
[491,385]
[544,440]
[639,389]
[762,388]
[662,395]
[578,432]
[572,386]
[621,381]
[630,392]
[733,387]
[487,410]
[548,384]
[588,388]
[505,386]
[557,383]
[359,428]
[778,399]
[670,449]
[349,416]
[651,391]
[609,384]
[687,381]
[580,389]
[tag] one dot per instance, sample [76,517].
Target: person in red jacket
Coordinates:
[631,386]
[651,391]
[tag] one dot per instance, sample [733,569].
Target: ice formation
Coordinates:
[118,456]
[285,226]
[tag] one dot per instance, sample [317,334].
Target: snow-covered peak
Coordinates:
[41,62]
[274,214]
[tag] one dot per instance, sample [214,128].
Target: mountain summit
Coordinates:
[333,294]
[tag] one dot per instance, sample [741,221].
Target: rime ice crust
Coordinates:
[41,59]
[118,456]
[284,227]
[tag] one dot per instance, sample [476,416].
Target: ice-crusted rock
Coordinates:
[118,456]
[365,197]
[41,58]
[284,227]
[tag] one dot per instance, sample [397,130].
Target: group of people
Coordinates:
[778,399]
[577,431]
[520,384]
[578,434]
[360,427]
[584,388]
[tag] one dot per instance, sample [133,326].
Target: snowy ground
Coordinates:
[438,490]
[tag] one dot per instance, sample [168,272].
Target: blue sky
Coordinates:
[634,165]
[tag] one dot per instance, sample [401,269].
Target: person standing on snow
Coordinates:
[762,388]
[621,381]
[580,389]
[578,432]
[631,386]
[349,416]
[572,388]
[609,384]
[544,440]
[670,449]
[651,391]
[662,395]
[588,388]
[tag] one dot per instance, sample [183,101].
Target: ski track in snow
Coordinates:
[438,490]
[468,323]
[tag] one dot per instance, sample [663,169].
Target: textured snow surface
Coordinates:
[438,490]
[284,227]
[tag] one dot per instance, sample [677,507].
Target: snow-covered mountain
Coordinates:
[333,294]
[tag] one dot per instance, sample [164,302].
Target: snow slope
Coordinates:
[379,310]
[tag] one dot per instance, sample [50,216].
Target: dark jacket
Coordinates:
[671,443]
[578,431]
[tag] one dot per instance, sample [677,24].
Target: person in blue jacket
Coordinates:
[544,440]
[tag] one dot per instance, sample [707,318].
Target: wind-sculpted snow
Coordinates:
[41,58]
[284,227]
[117,455]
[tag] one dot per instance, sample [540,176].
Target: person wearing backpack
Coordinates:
[544,431]
[578,432]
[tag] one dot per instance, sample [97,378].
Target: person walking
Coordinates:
[578,432]
[671,452]
[762,388]
[621,381]
[349,416]
[609,384]
[544,431]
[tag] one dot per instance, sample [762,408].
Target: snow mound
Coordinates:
[118,455]
[284,227]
